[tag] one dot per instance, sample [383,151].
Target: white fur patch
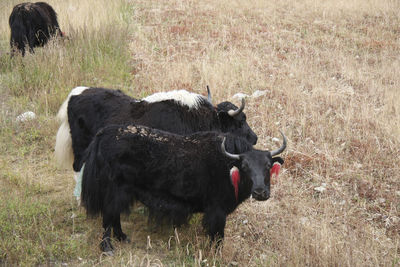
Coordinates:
[62,112]
[192,100]
[234,169]
[63,148]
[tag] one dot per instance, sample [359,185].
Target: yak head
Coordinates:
[255,165]
[233,120]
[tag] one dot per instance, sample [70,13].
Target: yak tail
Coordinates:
[63,148]
[95,178]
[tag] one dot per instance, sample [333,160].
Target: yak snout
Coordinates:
[260,194]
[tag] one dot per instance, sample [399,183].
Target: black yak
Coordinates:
[173,175]
[32,25]
[86,110]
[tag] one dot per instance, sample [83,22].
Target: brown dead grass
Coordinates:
[331,72]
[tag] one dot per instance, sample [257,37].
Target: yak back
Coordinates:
[171,174]
[99,107]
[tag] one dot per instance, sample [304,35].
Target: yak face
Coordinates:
[235,124]
[257,165]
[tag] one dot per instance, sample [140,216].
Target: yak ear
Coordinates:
[277,159]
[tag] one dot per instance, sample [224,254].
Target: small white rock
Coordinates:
[26,116]
[239,96]
[304,220]
[275,140]
[259,93]
[245,221]
[358,165]
[387,222]
[320,189]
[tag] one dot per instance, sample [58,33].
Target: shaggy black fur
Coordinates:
[99,107]
[173,175]
[32,24]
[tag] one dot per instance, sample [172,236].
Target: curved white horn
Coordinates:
[229,155]
[233,113]
[280,150]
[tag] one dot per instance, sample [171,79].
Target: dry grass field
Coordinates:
[331,72]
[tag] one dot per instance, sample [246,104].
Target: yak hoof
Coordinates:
[109,253]
[123,238]
[106,247]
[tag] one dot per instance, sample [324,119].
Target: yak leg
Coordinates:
[105,244]
[118,230]
[214,221]
[32,40]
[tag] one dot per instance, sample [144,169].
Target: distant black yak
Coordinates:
[32,24]
[173,175]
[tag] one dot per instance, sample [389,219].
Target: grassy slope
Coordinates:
[331,72]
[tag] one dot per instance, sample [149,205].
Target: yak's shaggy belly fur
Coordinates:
[163,171]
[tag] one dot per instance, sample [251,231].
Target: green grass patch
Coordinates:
[34,232]
[86,58]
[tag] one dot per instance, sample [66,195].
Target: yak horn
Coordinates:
[229,155]
[279,150]
[233,113]
[209,94]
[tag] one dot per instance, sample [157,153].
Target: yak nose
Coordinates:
[260,194]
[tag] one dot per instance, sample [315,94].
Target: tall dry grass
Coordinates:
[93,53]
[330,70]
